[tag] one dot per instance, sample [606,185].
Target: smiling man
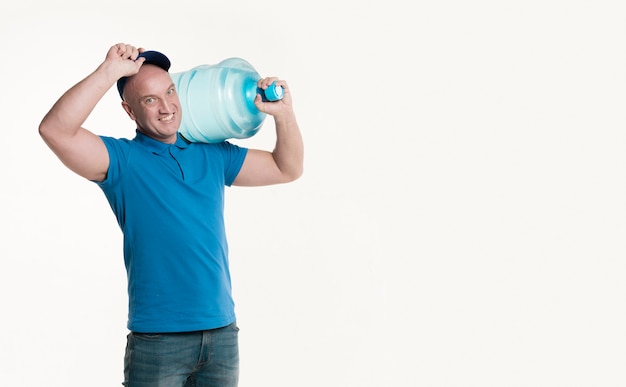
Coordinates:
[168,197]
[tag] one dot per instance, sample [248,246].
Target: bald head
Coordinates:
[150,80]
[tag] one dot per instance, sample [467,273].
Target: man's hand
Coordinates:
[276,108]
[125,56]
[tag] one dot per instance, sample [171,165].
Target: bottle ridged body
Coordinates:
[217,101]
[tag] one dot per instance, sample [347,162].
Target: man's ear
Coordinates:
[128,110]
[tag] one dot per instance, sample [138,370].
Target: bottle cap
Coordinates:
[274,92]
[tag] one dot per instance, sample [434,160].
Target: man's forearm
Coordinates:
[72,109]
[289,150]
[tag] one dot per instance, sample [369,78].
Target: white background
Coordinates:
[460,221]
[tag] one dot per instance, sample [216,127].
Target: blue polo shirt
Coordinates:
[169,203]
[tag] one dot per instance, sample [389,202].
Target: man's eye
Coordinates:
[171,91]
[150,100]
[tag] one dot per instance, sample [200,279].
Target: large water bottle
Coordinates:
[218,101]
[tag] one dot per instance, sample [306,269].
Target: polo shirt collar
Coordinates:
[156,146]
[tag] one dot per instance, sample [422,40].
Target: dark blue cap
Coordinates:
[152,57]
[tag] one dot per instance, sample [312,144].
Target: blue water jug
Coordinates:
[217,101]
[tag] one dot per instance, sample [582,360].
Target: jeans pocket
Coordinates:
[233,327]
[147,336]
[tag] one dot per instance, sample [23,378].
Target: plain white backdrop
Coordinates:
[460,221]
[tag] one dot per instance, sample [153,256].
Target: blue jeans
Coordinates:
[190,359]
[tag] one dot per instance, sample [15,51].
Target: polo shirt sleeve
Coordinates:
[118,156]
[234,157]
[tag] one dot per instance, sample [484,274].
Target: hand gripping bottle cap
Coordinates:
[272,93]
[217,101]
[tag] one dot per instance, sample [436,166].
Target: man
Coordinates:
[167,195]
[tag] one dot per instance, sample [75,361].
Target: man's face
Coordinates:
[150,99]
